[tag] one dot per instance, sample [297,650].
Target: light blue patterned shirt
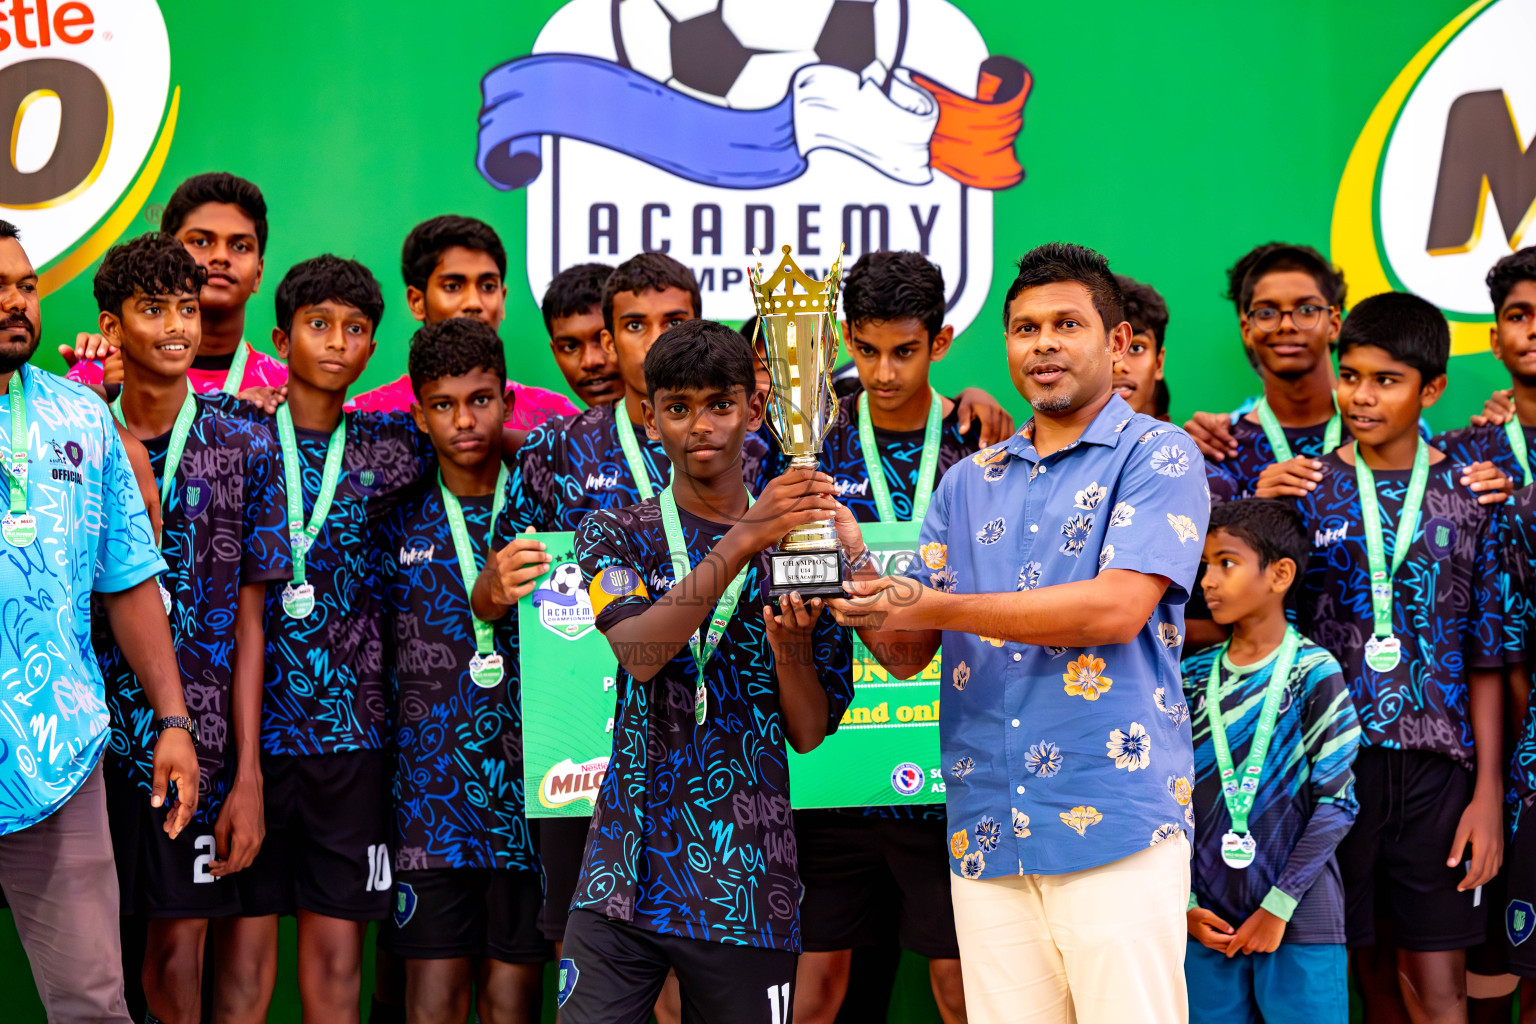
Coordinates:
[1058,759]
[92,534]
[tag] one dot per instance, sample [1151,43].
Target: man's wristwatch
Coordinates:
[177,722]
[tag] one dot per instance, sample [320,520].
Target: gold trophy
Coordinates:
[797,320]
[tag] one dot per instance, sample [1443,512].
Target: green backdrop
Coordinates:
[1170,138]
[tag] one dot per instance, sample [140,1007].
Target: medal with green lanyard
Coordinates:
[173,450]
[632,455]
[237,369]
[1332,433]
[299,596]
[19,526]
[1239,789]
[682,566]
[485,667]
[1516,434]
[1383,651]
[927,466]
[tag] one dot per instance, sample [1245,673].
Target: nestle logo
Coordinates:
[73,23]
[416,556]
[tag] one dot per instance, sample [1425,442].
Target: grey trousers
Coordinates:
[61,883]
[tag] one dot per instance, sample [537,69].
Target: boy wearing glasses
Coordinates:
[1289,301]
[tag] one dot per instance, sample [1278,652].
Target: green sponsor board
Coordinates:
[885,751]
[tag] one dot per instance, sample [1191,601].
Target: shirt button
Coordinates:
[1042,468]
[1015,723]
[1020,789]
[1034,527]
[1016,657]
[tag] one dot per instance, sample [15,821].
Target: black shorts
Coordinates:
[445,913]
[562,844]
[611,973]
[1393,860]
[158,876]
[326,849]
[864,873]
[1516,909]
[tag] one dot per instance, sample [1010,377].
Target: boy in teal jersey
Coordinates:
[1275,734]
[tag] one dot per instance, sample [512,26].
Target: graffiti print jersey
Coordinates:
[92,535]
[225,527]
[1238,476]
[1447,603]
[692,833]
[325,686]
[1305,803]
[569,467]
[458,780]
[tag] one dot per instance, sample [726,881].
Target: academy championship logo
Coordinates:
[707,128]
[1440,183]
[564,608]
[84,86]
[569,781]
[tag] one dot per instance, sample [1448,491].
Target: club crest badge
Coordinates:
[705,128]
[1519,921]
[564,607]
[405,904]
[196,495]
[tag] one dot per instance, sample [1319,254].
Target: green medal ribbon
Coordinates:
[485,668]
[19,527]
[1332,433]
[631,446]
[927,466]
[1516,434]
[237,369]
[681,567]
[1383,651]
[173,450]
[299,596]
[1239,789]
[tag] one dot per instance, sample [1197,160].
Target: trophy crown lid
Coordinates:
[819,296]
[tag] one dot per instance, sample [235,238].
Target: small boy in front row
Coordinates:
[467,882]
[690,861]
[1404,588]
[1275,735]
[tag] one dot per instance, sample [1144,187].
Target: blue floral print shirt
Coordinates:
[1059,759]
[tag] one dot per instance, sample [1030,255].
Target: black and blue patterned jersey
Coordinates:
[1305,803]
[692,833]
[458,779]
[325,688]
[1447,607]
[1488,443]
[573,465]
[1520,567]
[225,527]
[1238,475]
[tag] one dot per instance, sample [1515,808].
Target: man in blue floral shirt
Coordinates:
[1054,569]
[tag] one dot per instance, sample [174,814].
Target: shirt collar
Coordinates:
[1105,430]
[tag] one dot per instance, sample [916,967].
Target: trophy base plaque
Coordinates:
[807,562]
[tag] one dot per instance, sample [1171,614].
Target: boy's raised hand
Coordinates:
[515,569]
[996,423]
[1293,478]
[1207,929]
[94,348]
[1498,410]
[1261,933]
[793,499]
[1212,434]
[1490,483]
[267,399]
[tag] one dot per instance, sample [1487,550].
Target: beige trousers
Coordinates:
[1100,946]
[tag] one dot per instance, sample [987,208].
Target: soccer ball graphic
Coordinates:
[744,53]
[566,579]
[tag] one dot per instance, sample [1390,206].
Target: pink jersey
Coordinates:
[260,371]
[528,406]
